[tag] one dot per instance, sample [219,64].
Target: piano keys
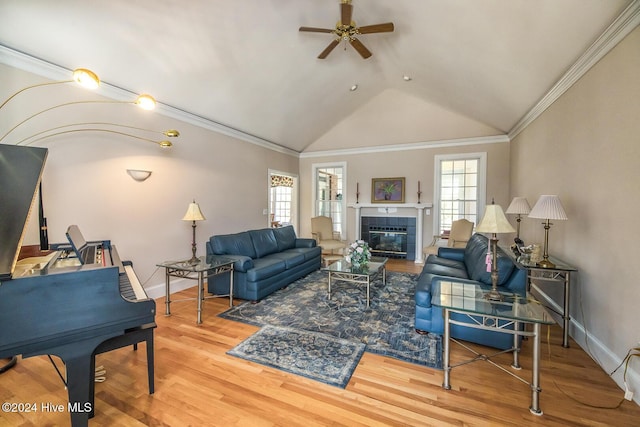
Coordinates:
[56,305]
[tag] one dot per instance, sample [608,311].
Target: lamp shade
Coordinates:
[548,207]
[193,213]
[494,221]
[519,205]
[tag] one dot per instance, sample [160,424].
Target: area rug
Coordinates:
[313,355]
[386,327]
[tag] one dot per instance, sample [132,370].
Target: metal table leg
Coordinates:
[200,295]
[446,344]
[535,375]
[167,292]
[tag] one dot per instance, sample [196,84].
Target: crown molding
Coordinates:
[410,146]
[55,72]
[626,22]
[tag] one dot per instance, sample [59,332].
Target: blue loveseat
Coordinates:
[466,265]
[265,261]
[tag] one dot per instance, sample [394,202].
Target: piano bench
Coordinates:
[130,337]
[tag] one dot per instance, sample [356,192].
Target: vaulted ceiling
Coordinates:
[476,67]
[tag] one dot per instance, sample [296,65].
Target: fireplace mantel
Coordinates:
[416,209]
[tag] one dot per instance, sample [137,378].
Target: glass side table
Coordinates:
[185,270]
[468,299]
[561,273]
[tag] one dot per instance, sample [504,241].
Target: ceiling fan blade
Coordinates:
[328,49]
[316,30]
[346,11]
[362,50]
[387,27]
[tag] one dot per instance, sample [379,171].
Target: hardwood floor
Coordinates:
[197,384]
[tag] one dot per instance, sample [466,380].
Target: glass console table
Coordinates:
[499,316]
[561,273]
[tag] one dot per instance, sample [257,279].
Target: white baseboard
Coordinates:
[177,285]
[601,354]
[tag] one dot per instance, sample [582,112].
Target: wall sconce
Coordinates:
[139,174]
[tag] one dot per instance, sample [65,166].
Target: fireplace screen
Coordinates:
[388,243]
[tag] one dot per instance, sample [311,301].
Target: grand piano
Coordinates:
[59,304]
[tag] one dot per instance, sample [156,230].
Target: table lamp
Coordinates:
[193,214]
[519,206]
[494,222]
[547,207]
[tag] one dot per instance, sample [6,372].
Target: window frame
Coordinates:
[343,202]
[482,184]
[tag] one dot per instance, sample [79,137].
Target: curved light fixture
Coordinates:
[138,174]
[162,144]
[171,133]
[146,102]
[82,76]
[143,101]
[86,78]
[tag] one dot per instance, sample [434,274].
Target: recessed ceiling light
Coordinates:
[406,78]
[353,88]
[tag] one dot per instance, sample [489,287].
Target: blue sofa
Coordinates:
[265,261]
[466,265]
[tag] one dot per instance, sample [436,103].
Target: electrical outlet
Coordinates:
[628,395]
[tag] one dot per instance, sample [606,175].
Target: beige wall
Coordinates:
[586,149]
[414,165]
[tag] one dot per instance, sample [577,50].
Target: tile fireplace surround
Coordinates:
[411,210]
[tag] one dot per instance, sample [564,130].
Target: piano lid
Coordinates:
[20,172]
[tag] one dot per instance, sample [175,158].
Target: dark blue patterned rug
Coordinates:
[386,328]
[309,354]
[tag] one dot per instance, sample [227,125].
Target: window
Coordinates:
[460,189]
[329,183]
[282,198]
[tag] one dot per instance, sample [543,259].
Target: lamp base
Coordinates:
[194,260]
[493,295]
[545,263]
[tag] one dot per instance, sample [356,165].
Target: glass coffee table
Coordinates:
[499,316]
[342,270]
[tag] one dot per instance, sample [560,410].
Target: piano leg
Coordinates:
[77,357]
[131,337]
[78,378]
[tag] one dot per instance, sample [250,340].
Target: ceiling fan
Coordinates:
[346,30]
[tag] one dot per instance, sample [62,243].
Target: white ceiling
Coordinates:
[478,66]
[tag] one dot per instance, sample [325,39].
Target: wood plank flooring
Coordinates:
[197,384]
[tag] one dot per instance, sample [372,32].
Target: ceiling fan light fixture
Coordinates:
[353,88]
[407,78]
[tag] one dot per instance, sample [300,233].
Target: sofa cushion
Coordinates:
[309,253]
[264,268]
[285,237]
[434,259]
[264,242]
[291,258]
[233,244]
[444,270]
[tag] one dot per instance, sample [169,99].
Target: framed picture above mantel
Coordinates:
[387,190]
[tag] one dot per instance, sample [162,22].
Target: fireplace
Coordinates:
[390,237]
